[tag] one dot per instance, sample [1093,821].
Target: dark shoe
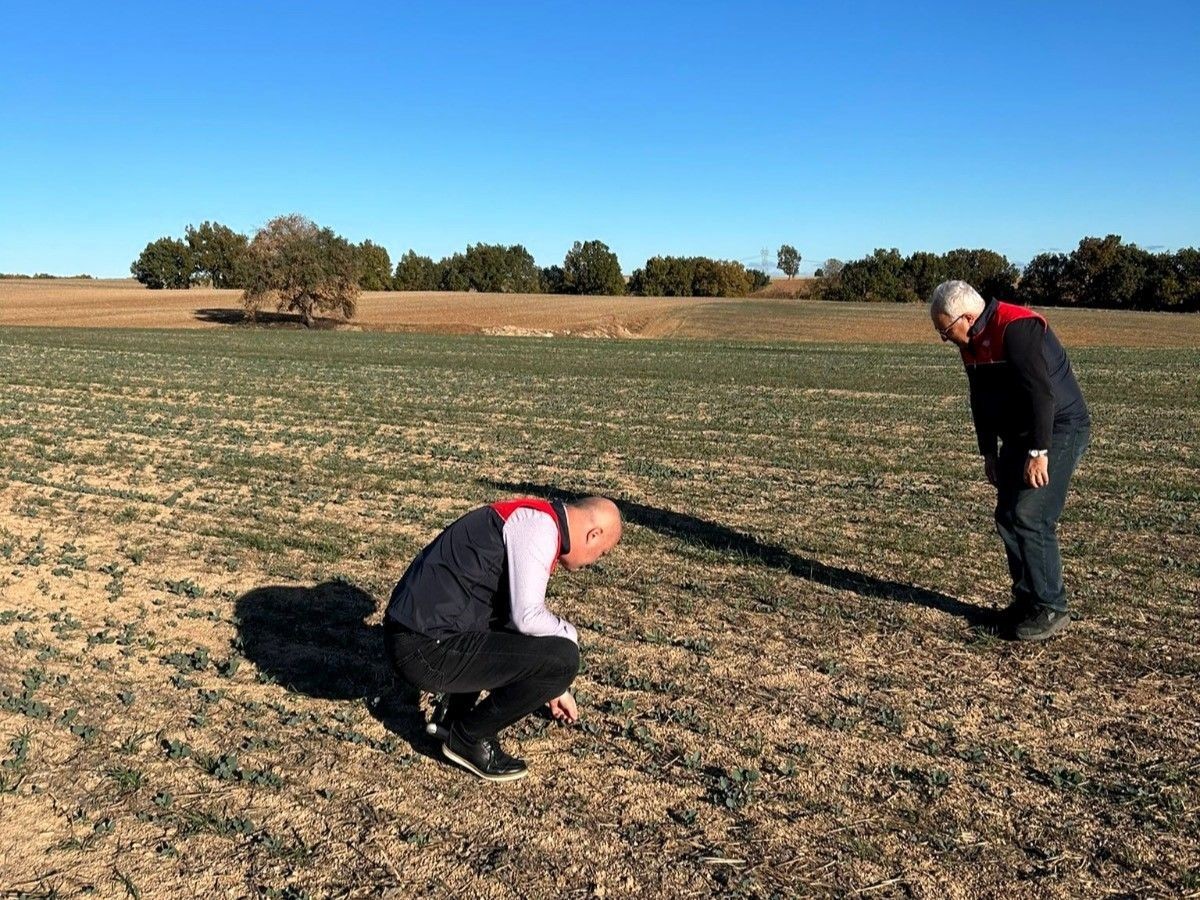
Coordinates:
[484,758]
[1018,611]
[1042,624]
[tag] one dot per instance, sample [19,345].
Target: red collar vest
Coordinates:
[556,511]
[987,334]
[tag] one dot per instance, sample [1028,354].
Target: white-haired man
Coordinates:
[1023,395]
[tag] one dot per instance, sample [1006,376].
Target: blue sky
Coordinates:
[701,128]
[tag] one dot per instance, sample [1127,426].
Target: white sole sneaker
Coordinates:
[466,764]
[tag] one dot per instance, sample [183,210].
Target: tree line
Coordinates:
[1100,272]
[1103,272]
[41,276]
[215,255]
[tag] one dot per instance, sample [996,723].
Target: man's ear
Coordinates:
[594,534]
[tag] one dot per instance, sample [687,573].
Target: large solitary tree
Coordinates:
[165,263]
[788,260]
[302,268]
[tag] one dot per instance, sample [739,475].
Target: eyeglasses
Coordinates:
[945,332]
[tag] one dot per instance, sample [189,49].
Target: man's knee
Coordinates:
[562,657]
[1032,515]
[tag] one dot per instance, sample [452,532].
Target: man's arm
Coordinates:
[1023,343]
[531,543]
[985,435]
[1023,348]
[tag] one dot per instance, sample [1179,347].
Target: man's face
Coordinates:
[590,550]
[954,328]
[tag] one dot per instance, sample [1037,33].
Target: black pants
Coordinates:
[1027,519]
[520,673]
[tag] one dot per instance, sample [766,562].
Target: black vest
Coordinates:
[459,583]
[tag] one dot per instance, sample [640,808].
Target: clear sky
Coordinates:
[675,128]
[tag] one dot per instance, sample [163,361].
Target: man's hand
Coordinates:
[989,468]
[564,709]
[1037,471]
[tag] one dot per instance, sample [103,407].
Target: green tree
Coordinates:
[374,267]
[877,278]
[664,276]
[218,254]
[165,263]
[493,268]
[1106,272]
[830,269]
[1043,283]
[416,273]
[690,276]
[788,260]
[1176,281]
[591,268]
[988,271]
[924,272]
[758,279]
[303,268]
[719,278]
[452,274]
[640,284]
[706,277]
[552,281]
[1186,265]
[681,276]
[736,279]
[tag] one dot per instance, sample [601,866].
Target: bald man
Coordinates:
[470,615]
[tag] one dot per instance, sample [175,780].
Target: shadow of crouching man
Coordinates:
[316,641]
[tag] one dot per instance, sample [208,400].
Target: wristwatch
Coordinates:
[1034,454]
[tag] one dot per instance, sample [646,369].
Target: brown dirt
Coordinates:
[122,303]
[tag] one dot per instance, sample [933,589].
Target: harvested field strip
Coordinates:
[120,303]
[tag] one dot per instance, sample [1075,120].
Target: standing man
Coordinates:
[470,615]
[1024,394]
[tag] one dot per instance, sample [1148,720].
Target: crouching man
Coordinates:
[470,615]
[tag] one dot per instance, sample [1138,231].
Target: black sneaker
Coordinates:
[1042,623]
[484,758]
[1018,611]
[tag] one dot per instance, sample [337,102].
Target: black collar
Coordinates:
[563,529]
[981,323]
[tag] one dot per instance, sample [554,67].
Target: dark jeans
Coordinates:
[1027,518]
[520,673]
